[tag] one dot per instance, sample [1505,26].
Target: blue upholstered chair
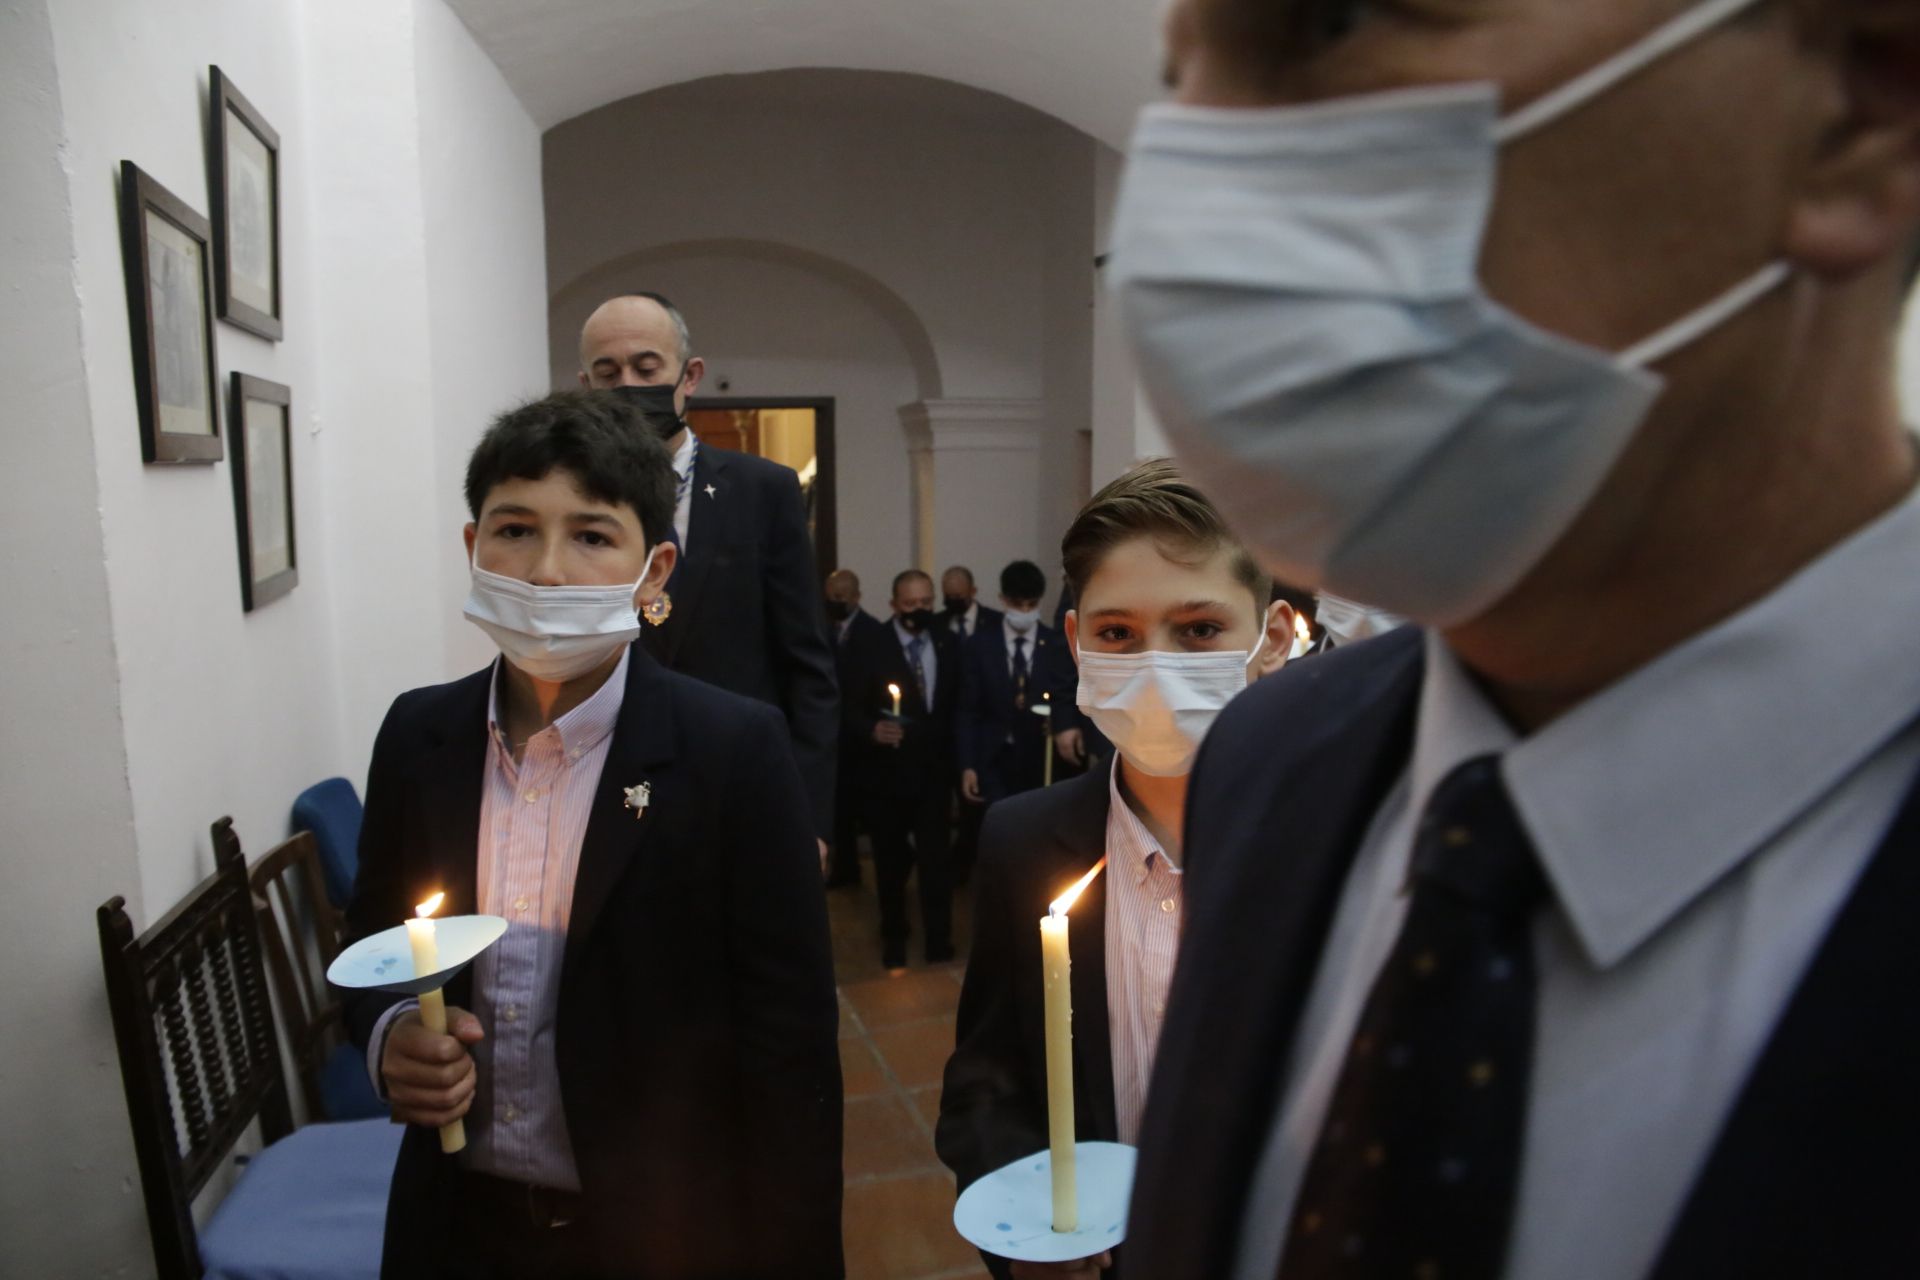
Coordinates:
[201,1062]
[331,810]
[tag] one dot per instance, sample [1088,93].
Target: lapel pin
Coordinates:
[638,798]
[711,491]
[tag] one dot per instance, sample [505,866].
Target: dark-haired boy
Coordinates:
[1013,664]
[1172,620]
[646,1060]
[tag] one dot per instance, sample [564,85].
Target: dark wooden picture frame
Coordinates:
[268,569]
[166,246]
[245,153]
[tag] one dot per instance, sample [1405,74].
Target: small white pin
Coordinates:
[711,491]
[639,797]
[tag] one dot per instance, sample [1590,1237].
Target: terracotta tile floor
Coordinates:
[895,1034]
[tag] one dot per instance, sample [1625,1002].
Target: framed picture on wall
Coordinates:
[170,310]
[261,424]
[246,211]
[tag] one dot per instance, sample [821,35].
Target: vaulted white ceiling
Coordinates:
[1091,63]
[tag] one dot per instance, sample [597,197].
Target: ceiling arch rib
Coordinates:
[1090,63]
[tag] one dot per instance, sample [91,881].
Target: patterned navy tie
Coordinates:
[1419,1156]
[1020,672]
[916,658]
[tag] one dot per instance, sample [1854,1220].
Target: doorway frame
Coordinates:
[826,506]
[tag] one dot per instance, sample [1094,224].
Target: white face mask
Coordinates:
[554,633]
[1300,287]
[1156,707]
[1347,620]
[1023,620]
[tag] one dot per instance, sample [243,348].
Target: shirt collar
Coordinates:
[1643,797]
[582,728]
[906,637]
[683,456]
[1131,848]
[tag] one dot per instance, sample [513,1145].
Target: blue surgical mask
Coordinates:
[1300,286]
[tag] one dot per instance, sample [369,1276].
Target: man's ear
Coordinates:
[1859,202]
[696,369]
[665,556]
[1072,626]
[586,383]
[1279,646]
[467,535]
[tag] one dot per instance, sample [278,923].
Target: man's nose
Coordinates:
[548,570]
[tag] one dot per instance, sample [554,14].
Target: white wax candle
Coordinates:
[894,689]
[433,1004]
[1057,970]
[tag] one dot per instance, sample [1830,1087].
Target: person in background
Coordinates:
[653,1042]
[743,609]
[848,622]
[960,608]
[963,614]
[906,763]
[1011,667]
[1570,931]
[1173,614]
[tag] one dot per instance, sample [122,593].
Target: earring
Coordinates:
[657,610]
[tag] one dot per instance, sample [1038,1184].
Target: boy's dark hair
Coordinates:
[1152,499]
[593,436]
[1022,580]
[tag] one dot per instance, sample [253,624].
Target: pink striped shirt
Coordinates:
[533,817]
[1144,910]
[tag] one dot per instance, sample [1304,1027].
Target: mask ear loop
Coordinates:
[1583,88]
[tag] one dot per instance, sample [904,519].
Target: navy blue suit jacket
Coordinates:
[987,715]
[1812,1173]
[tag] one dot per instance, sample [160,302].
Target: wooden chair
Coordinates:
[302,930]
[200,1062]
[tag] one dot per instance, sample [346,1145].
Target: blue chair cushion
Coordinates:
[313,1206]
[345,1091]
[331,810]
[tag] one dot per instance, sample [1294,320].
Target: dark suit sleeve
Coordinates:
[379,889]
[858,715]
[989,1116]
[787,1017]
[972,711]
[797,623]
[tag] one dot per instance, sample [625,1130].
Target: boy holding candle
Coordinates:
[1173,619]
[646,1062]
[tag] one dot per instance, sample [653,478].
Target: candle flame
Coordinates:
[1064,903]
[894,689]
[430,906]
[1302,628]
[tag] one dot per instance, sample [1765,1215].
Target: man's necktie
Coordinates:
[916,652]
[1020,672]
[1419,1156]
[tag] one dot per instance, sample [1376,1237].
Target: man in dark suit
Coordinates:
[960,609]
[1012,666]
[745,600]
[649,1053]
[906,762]
[848,622]
[1569,933]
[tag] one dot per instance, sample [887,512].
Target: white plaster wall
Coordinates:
[141,703]
[66,817]
[486,279]
[966,219]
[822,339]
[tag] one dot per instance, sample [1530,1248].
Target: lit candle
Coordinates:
[433,1004]
[1302,635]
[894,689]
[1057,968]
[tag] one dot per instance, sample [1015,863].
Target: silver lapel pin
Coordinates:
[639,797]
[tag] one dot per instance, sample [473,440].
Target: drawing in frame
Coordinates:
[170,311]
[261,426]
[246,211]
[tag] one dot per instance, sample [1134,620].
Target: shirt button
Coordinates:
[509,1115]
[520,904]
[510,1014]
[574,754]
[1166,904]
[1159,1008]
[532,796]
